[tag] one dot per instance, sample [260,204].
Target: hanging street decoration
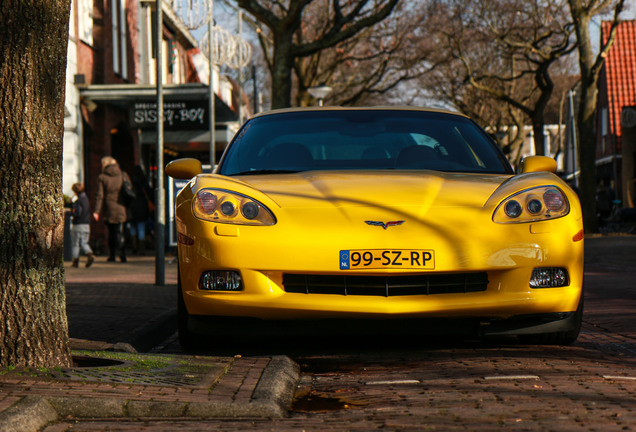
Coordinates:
[193,14]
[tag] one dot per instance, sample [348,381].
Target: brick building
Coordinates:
[111,91]
[616,113]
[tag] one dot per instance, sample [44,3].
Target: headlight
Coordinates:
[219,205]
[535,204]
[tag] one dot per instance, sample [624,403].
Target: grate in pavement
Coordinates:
[172,376]
[134,369]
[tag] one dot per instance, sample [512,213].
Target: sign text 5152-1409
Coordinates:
[186,115]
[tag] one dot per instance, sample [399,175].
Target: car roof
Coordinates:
[371,108]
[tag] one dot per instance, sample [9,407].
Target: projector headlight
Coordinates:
[530,205]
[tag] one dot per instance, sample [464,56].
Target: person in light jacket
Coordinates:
[81,228]
[109,208]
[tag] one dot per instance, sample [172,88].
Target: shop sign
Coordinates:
[184,115]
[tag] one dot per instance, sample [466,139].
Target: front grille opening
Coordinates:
[386,286]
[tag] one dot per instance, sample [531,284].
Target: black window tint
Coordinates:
[361,139]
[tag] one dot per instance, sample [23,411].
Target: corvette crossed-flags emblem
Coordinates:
[383,224]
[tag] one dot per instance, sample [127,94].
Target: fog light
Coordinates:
[221,280]
[549,277]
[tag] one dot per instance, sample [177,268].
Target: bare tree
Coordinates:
[506,51]
[282,38]
[590,64]
[33,328]
[366,68]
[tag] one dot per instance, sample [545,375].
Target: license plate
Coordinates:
[387,258]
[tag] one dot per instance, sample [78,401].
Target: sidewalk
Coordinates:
[130,307]
[114,310]
[112,303]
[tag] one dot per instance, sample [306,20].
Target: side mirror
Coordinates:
[184,169]
[538,163]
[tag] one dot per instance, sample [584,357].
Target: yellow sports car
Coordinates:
[411,218]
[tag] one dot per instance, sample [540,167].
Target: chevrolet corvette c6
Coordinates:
[400,216]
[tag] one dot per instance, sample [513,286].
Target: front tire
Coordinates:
[187,339]
[566,337]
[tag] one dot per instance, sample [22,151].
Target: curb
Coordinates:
[271,398]
[155,331]
[277,384]
[29,414]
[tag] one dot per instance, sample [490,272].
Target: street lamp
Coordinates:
[160,192]
[320,92]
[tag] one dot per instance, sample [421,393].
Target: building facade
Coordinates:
[111,92]
[616,113]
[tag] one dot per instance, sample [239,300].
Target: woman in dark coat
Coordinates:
[139,211]
[108,208]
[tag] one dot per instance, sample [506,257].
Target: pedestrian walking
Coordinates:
[110,205]
[139,211]
[605,196]
[81,228]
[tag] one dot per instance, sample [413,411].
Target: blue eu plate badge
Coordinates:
[344,260]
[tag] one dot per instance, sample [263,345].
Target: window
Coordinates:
[85,21]
[604,121]
[362,139]
[120,52]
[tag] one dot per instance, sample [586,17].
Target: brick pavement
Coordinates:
[456,387]
[130,307]
[590,385]
[110,304]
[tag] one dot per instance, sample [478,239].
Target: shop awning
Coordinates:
[185,109]
[123,95]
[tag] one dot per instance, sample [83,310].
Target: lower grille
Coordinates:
[386,286]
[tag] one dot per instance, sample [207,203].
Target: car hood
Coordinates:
[321,189]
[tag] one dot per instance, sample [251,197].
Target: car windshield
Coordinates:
[310,140]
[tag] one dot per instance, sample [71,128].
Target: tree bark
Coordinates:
[285,19]
[33,328]
[283,63]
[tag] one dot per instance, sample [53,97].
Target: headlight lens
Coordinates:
[535,204]
[223,206]
[227,208]
[512,209]
[250,210]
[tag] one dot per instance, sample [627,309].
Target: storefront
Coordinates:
[121,121]
[131,121]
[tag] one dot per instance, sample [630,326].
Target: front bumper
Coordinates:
[263,255]
[471,326]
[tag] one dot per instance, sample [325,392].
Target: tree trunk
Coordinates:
[282,66]
[33,328]
[546,86]
[587,155]
[586,136]
[537,134]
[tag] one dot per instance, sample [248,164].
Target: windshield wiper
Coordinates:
[265,171]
